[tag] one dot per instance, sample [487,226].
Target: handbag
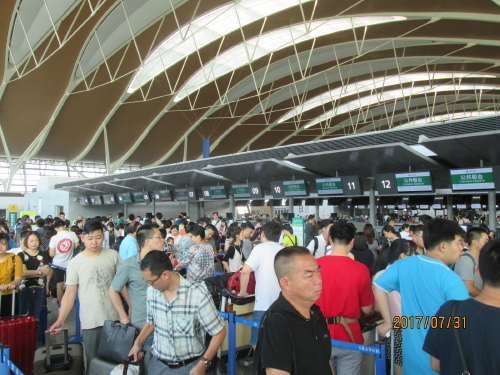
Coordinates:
[116,340]
[127,368]
[233,284]
[371,321]
[454,307]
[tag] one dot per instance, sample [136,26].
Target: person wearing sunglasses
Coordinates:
[179,313]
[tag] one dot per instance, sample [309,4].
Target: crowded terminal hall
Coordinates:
[249,187]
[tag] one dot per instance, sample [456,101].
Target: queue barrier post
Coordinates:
[77,337]
[231,343]
[5,364]
[4,357]
[380,364]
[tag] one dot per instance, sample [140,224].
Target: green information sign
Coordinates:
[241,191]
[218,192]
[181,194]
[472,179]
[298,230]
[420,181]
[294,188]
[12,219]
[329,186]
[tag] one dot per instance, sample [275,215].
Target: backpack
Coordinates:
[469,256]
[316,245]
[233,283]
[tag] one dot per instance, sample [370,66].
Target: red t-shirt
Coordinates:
[346,288]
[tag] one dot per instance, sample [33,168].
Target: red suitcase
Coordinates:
[20,334]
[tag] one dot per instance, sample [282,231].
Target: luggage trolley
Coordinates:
[225,300]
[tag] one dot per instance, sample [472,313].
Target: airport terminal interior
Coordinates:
[373,113]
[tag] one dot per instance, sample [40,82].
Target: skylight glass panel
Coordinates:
[392,95]
[260,46]
[205,30]
[372,84]
[447,117]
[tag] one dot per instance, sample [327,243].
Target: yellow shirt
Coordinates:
[11,267]
[291,240]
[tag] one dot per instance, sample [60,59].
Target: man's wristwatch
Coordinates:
[206,361]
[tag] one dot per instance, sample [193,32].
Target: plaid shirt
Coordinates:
[180,325]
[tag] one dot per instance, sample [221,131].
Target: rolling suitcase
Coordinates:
[59,359]
[19,332]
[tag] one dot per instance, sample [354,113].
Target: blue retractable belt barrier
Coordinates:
[378,350]
[5,364]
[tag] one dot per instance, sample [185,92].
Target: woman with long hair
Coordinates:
[233,260]
[373,243]
[393,252]
[35,267]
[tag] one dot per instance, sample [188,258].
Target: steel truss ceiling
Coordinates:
[143,82]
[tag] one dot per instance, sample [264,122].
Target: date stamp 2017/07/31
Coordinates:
[425,322]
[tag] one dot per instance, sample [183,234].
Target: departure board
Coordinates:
[84,201]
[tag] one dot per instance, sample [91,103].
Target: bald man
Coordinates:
[293,336]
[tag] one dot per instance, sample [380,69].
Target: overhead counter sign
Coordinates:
[329,186]
[419,181]
[295,188]
[472,179]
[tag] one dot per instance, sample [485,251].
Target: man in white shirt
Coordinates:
[261,261]
[216,220]
[61,249]
[322,240]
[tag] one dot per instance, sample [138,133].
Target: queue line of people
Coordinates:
[327,293]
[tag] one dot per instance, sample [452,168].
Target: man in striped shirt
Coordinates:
[180,313]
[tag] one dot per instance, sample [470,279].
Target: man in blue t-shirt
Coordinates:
[425,282]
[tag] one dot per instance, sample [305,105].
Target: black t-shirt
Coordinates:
[364,256]
[311,341]
[32,263]
[480,338]
[231,251]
